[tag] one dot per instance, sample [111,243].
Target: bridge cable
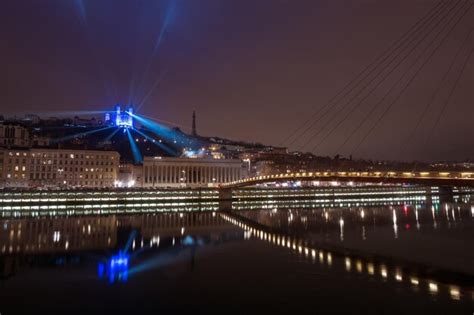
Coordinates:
[335,114]
[451,93]
[340,110]
[354,131]
[375,62]
[406,86]
[410,137]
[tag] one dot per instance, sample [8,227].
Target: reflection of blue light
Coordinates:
[131,237]
[116,268]
[100,270]
[59,261]
[188,240]
[119,261]
[123,276]
[111,277]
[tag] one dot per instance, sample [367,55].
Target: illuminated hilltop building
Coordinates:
[120,118]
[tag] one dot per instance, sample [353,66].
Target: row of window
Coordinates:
[65,169]
[70,176]
[65,156]
[73,156]
[190,174]
[55,162]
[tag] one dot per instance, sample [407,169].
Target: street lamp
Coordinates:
[60,171]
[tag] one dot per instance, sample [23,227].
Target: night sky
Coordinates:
[253,70]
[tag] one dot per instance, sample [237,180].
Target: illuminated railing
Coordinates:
[469,176]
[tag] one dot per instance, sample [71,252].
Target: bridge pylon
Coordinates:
[225,199]
[446,194]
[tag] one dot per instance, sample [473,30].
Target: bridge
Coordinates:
[460,179]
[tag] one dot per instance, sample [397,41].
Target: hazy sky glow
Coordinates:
[252,70]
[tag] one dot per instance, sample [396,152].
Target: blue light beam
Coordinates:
[168,17]
[152,89]
[81,11]
[70,113]
[162,131]
[167,122]
[170,257]
[109,137]
[156,143]
[137,155]
[79,135]
[132,236]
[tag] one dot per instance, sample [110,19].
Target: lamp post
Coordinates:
[60,177]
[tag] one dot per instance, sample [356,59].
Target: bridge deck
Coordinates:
[425,178]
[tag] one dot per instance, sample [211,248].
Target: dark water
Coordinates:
[378,260]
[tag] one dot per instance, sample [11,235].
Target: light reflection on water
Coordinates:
[361,266]
[103,202]
[151,241]
[401,218]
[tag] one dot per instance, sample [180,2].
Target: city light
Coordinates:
[119,261]
[433,287]
[116,268]
[326,187]
[120,118]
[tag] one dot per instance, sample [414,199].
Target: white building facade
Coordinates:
[190,172]
[58,168]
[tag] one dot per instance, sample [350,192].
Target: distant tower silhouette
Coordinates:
[194,132]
